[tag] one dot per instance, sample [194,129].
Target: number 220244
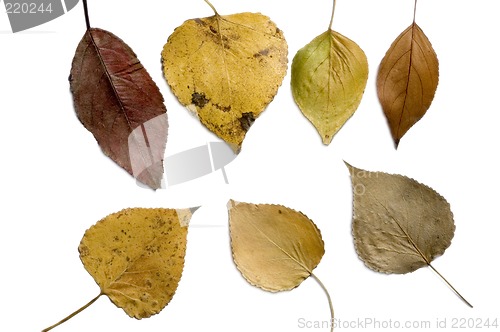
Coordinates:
[473,323]
[27,8]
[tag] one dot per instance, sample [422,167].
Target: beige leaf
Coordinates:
[407,80]
[399,225]
[328,80]
[274,247]
[227,69]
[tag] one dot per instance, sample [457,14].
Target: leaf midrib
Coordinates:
[281,249]
[122,106]
[410,239]
[108,76]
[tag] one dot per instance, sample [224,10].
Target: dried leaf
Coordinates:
[136,256]
[274,247]
[407,80]
[226,69]
[399,225]
[328,80]
[113,95]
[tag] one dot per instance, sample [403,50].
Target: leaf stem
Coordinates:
[213,8]
[333,12]
[73,314]
[449,285]
[414,11]
[329,299]
[86,12]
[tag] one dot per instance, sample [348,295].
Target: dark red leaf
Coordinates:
[114,97]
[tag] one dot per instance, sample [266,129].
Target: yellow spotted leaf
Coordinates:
[407,80]
[136,256]
[398,224]
[226,69]
[329,77]
[274,247]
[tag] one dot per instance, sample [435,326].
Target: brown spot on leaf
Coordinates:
[199,99]
[223,108]
[84,250]
[246,120]
[264,52]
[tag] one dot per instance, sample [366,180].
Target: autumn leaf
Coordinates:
[136,256]
[407,80]
[114,97]
[398,224]
[226,69]
[329,77]
[274,247]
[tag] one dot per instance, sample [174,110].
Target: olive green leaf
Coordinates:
[398,224]
[274,247]
[226,69]
[329,77]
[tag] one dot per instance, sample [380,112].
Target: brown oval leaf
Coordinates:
[274,247]
[227,69]
[136,256]
[407,80]
[113,95]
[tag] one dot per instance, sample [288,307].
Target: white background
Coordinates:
[56,183]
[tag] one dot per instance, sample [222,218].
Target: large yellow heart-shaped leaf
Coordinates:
[226,69]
